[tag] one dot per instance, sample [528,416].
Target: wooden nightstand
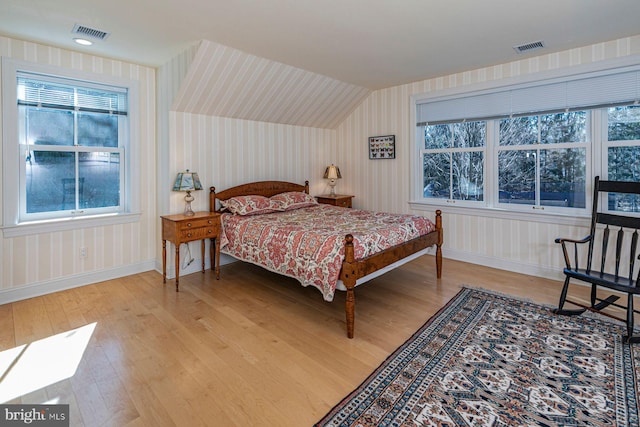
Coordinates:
[180,229]
[337,200]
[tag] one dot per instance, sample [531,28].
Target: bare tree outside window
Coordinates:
[453,161]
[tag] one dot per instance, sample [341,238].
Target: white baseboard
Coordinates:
[194,267]
[68,282]
[473,258]
[547,272]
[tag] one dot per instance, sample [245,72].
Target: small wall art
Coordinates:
[382,147]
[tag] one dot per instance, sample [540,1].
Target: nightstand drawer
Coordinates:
[197,233]
[345,203]
[196,223]
[341,200]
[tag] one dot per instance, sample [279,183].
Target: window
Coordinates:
[67,144]
[622,148]
[453,161]
[531,147]
[73,136]
[542,160]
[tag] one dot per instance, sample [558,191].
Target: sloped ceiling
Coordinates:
[227,82]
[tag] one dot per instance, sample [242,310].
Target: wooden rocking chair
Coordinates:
[627,284]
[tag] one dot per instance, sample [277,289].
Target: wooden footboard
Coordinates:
[352,269]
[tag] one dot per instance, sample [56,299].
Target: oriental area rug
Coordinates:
[487,359]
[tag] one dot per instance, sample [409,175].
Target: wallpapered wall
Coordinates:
[49,261]
[227,152]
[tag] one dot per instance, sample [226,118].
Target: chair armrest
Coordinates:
[565,254]
[567,240]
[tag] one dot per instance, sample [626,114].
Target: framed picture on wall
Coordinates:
[382,147]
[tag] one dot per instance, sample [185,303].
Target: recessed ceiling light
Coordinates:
[83,42]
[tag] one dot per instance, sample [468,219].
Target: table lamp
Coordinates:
[187,181]
[332,173]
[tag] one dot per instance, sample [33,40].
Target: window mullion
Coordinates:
[77,180]
[451,199]
[538,180]
[491,164]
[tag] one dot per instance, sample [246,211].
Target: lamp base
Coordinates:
[332,184]
[187,208]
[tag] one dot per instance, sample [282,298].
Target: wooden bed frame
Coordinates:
[352,269]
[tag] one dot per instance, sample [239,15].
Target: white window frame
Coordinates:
[586,145]
[490,207]
[452,150]
[13,157]
[603,148]
[606,144]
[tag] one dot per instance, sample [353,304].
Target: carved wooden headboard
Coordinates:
[260,188]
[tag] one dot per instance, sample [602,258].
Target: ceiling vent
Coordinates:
[89,32]
[529,47]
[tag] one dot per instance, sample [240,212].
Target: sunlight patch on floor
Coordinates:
[33,366]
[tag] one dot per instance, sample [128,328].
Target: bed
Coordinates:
[331,248]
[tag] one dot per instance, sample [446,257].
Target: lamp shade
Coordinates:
[332,172]
[187,181]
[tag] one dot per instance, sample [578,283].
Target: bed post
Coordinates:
[348,277]
[439,244]
[212,199]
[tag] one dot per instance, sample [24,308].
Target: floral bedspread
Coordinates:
[308,243]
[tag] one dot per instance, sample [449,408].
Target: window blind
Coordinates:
[47,94]
[578,92]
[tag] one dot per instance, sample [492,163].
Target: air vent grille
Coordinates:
[528,47]
[89,32]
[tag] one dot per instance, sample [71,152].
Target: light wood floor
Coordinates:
[252,349]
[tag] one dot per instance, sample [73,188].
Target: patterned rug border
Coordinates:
[589,314]
[436,317]
[397,351]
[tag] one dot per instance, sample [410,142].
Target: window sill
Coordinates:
[39,227]
[540,217]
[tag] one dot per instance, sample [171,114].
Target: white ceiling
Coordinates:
[369,43]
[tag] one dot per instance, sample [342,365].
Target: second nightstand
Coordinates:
[342,200]
[180,229]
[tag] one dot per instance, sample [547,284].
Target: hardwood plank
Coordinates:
[7,327]
[31,321]
[253,348]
